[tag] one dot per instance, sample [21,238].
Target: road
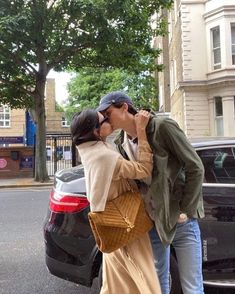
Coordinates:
[22,265]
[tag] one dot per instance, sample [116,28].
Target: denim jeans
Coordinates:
[161,256]
[187,245]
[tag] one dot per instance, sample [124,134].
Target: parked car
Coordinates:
[71,252]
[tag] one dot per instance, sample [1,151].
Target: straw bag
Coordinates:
[123,221]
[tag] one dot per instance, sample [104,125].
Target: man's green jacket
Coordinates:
[177,176]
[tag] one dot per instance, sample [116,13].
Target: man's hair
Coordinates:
[131,109]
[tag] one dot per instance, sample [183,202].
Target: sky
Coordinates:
[61,80]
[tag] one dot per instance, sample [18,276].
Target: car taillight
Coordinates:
[60,202]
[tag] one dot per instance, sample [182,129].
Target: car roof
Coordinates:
[211,141]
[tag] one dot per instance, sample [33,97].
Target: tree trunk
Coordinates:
[41,174]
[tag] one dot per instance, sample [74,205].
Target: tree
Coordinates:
[39,35]
[90,84]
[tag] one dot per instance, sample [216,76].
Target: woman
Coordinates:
[128,270]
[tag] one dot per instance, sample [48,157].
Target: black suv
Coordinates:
[71,252]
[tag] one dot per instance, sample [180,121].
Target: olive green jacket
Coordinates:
[177,175]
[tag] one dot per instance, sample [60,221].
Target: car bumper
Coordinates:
[78,274]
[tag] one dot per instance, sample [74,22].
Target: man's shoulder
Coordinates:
[162,119]
[158,122]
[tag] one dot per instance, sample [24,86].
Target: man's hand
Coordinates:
[142,119]
[182,218]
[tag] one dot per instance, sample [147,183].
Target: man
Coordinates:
[174,198]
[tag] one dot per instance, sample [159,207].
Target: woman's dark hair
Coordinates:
[83,125]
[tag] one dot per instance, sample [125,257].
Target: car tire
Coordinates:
[175,285]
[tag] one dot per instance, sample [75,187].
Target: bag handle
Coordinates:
[130,188]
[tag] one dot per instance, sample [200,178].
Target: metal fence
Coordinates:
[60,152]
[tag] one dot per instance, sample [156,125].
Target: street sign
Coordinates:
[11,140]
[26,162]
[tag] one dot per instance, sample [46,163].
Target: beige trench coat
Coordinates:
[129,270]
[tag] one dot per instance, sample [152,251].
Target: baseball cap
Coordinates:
[113,98]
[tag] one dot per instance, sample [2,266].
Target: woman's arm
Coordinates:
[142,168]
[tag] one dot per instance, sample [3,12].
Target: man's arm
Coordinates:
[178,145]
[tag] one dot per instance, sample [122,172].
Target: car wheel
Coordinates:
[174,277]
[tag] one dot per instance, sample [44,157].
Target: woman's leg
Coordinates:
[116,277]
[140,265]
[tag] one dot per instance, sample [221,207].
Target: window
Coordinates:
[4,116]
[67,153]
[219,164]
[219,116]
[233,42]
[64,123]
[216,48]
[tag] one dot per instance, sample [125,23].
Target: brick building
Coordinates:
[13,122]
[55,120]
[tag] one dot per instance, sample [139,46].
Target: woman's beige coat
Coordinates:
[129,270]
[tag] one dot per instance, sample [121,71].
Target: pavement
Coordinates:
[23,182]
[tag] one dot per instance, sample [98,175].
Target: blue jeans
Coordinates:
[187,245]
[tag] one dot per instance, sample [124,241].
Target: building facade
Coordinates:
[197,84]
[17,122]
[56,122]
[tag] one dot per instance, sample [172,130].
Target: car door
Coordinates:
[218,226]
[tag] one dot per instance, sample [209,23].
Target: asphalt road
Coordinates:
[22,265]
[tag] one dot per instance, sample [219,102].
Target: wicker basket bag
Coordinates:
[124,220]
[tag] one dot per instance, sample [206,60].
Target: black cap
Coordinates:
[113,98]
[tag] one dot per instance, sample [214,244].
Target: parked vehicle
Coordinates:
[71,252]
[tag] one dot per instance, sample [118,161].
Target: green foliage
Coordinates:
[38,35]
[89,85]
[58,107]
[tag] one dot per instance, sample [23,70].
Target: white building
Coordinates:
[198,82]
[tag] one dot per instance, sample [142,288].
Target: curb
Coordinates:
[22,186]
[26,185]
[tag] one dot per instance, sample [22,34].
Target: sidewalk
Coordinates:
[23,182]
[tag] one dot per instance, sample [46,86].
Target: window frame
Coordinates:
[64,123]
[215,49]
[232,25]
[5,112]
[218,118]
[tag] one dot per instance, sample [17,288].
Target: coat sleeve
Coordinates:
[140,169]
[179,146]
